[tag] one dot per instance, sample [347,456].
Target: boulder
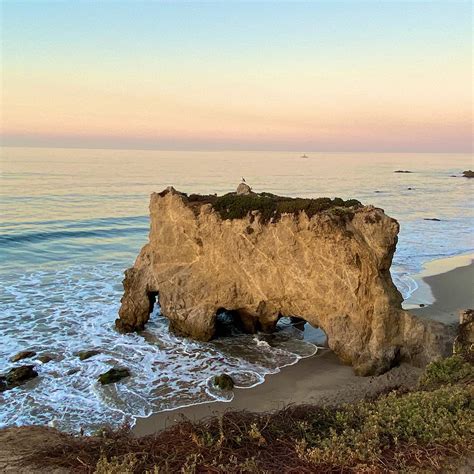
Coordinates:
[224,382]
[244,189]
[84,355]
[324,261]
[114,375]
[403,171]
[45,358]
[464,342]
[23,355]
[17,376]
[468,174]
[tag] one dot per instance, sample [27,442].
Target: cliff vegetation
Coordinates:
[425,430]
[270,206]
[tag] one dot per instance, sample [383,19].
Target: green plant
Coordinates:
[447,371]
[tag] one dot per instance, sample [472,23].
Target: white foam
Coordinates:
[74,309]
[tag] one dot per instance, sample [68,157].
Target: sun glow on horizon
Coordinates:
[329,76]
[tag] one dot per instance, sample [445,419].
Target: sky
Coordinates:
[388,76]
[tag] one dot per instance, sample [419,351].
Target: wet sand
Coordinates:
[322,379]
[453,289]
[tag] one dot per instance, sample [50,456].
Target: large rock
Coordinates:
[464,342]
[329,265]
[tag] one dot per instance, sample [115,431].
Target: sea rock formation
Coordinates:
[262,257]
[464,342]
[468,174]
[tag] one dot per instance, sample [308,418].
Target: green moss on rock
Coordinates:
[224,382]
[114,375]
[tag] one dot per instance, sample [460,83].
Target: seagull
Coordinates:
[243,179]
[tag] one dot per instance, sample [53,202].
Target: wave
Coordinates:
[71,223]
[33,237]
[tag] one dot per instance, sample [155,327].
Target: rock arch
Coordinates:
[329,266]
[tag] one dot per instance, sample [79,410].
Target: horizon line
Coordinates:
[216,150]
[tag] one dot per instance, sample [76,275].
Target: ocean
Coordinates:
[74,219]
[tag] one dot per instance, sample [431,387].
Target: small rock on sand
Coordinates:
[224,382]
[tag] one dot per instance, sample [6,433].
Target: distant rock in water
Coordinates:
[468,174]
[17,376]
[435,219]
[262,257]
[114,375]
[23,355]
[84,355]
[403,171]
[45,358]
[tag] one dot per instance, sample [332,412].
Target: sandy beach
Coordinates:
[322,379]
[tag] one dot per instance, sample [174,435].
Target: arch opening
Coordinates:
[309,333]
[153,301]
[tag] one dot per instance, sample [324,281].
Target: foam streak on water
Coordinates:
[73,220]
[63,312]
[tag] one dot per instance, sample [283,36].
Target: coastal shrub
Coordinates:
[424,430]
[447,371]
[362,433]
[270,206]
[124,465]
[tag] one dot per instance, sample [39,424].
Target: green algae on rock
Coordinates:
[224,382]
[114,375]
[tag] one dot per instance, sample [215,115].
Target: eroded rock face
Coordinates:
[464,342]
[332,270]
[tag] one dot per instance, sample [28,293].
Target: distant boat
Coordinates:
[304,155]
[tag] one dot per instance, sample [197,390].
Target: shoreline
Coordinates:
[450,282]
[321,379]
[423,293]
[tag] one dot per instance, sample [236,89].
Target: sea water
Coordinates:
[74,220]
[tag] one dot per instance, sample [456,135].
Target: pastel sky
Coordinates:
[321,75]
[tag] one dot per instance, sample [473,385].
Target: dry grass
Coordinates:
[398,432]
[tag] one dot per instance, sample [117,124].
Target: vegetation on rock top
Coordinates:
[270,206]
